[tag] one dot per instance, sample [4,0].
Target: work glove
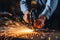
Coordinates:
[39,23]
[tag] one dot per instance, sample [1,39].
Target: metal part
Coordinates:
[33,14]
[32,17]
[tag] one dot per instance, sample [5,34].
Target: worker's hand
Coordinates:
[38,23]
[26,16]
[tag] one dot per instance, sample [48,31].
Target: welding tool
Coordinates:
[33,10]
[32,16]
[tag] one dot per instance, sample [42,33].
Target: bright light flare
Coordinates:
[16,29]
[22,31]
[26,31]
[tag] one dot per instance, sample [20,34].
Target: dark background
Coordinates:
[12,6]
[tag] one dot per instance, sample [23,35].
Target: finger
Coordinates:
[25,19]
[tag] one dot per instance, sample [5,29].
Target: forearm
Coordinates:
[47,9]
[50,8]
[23,6]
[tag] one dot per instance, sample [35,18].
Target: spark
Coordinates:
[15,29]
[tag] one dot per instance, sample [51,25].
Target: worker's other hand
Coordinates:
[38,23]
[26,16]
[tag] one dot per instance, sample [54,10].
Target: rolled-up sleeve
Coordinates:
[50,8]
[23,6]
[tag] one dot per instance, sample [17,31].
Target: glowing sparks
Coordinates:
[15,29]
[21,31]
[26,31]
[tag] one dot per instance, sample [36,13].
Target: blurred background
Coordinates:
[10,9]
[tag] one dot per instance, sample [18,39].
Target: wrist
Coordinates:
[42,17]
[26,12]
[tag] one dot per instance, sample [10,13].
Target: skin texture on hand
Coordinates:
[26,15]
[39,23]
